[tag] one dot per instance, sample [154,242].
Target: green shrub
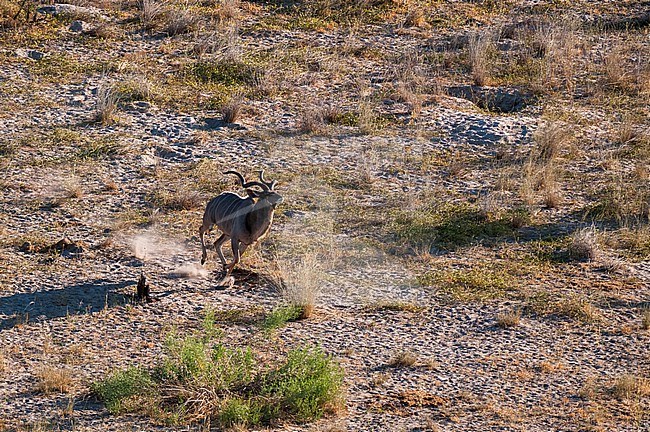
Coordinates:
[243,412]
[305,386]
[279,316]
[118,388]
[196,382]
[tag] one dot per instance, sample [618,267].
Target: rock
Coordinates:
[27,247]
[32,54]
[492,98]
[77,100]
[62,9]
[143,290]
[215,123]
[79,26]
[141,106]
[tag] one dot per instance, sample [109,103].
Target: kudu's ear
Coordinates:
[251,193]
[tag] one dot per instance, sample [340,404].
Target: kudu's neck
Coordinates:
[260,217]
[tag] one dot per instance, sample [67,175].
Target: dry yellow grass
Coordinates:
[508,319]
[52,379]
[645,319]
[403,359]
[630,386]
[300,282]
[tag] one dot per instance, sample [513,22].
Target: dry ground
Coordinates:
[473,269]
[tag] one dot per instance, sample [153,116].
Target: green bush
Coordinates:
[278,317]
[305,386]
[243,412]
[198,380]
[117,388]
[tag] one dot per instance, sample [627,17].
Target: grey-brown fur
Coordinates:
[243,220]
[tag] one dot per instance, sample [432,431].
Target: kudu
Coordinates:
[244,220]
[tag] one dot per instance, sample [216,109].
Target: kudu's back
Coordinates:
[225,210]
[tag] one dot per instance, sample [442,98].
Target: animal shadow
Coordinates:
[82,298]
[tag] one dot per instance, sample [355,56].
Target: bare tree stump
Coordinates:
[143,291]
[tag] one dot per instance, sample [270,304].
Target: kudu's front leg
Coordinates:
[238,249]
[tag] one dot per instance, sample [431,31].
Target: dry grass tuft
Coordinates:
[54,380]
[584,245]
[312,120]
[299,282]
[550,366]
[630,386]
[180,21]
[617,72]
[556,45]
[111,186]
[480,47]
[508,319]
[626,132]
[579,309]
[403,359]
[228,10]
[106,104]
[150,11]
[550,140]
[72,188]
[541,171]
[183,199]
[137,87]
[231,111]
[416,18]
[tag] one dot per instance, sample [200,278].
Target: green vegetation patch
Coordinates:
[121,390]
[476,284]
[574,307]
[279,316]
[100,149]
[64,66]
[342,118]
[199,380]
[228,73]
[624,202]
[449,226]
[328,14]
[634,243]
[394,306]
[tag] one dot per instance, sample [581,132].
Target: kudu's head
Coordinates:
[267,193]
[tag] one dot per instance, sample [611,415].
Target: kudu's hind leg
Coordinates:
[204,228]
[217,246]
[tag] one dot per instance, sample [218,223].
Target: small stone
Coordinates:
[142,104]
[492,98]
[79,26]
[77,100]
[32,54]
[69,10]
[215,123]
